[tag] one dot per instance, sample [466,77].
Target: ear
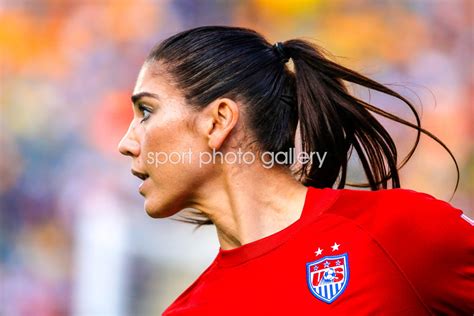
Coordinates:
[221,117]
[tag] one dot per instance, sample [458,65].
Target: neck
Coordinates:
[251,203]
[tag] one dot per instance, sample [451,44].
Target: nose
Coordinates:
[128,146]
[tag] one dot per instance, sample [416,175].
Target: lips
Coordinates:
[140,175]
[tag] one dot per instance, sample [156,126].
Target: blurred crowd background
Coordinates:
[74,238]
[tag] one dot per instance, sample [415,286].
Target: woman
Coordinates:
[216,111]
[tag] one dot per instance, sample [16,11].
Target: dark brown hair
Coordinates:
[215,61]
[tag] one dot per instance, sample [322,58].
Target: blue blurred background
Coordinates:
[74,238]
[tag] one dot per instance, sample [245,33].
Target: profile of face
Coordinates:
[165,138]
[161,126]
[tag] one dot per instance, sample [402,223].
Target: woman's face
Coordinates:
[164,145]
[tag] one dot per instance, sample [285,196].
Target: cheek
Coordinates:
[163,137]
[173,152]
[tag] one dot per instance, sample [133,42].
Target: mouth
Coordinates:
[140,175]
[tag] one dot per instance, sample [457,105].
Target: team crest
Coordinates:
[327,277]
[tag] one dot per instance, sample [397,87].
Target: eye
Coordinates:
[145,112]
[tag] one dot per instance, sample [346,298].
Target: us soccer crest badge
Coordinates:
[327,277]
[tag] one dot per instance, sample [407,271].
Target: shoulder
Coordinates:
[400,218]
[429,240]
[398,209]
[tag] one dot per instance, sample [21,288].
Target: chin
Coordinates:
[154,210]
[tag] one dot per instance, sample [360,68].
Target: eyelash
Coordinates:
[143,110]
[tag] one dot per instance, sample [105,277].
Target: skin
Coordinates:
[246,202]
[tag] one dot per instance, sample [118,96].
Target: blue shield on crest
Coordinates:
[327,277]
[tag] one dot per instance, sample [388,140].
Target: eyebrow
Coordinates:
[140,95]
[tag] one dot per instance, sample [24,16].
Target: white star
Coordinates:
[335,247]
[318,252]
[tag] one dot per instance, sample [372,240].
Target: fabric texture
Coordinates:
[352,252]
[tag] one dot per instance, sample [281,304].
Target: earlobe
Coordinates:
[224,114]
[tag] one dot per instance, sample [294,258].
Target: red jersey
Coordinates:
[352,252]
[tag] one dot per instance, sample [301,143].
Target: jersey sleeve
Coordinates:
[432,242]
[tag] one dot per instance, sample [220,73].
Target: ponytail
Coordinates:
[333,121]
[209,62]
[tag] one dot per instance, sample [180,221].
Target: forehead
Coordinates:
[153,78]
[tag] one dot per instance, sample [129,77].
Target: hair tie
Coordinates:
[281,52]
